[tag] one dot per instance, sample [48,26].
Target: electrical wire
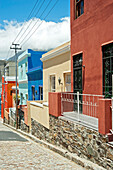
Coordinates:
[40,23]
[31,20]
[33,9]
[26,20]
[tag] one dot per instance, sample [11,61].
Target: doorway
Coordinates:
[77,80]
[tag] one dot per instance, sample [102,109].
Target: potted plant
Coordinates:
[18,99]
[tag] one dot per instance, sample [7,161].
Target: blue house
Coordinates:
[35,75]
[30,76]
[22,76]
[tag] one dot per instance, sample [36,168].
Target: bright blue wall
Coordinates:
[34,60]
[35,79]
[35,73]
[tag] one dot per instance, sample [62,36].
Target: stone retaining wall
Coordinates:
[24,127]
[10,122]
[86,143]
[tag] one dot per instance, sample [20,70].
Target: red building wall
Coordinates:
[89,33]
[8,95]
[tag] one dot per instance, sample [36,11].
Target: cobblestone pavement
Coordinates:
[30,155]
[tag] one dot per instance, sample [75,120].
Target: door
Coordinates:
[77,80]
[107,70]
[33,92]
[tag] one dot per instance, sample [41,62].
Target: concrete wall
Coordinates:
[89,33]
[23,88]
[40,114]
[58,66]
[24,75]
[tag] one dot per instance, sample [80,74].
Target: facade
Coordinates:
[56,78]
[92,46]
[30,76]
[10,69]
[9,83]
[22,76]
[2,64]
[57,67]
[35,76]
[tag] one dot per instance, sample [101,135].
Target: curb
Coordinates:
[71,156]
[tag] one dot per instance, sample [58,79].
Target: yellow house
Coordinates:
[56,70]
[56,78]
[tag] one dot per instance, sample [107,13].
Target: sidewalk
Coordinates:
[73,157]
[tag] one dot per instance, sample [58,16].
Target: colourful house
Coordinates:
[56,78]
[9,83]
[30,76]
[92,46]
[22,76]
[35,75]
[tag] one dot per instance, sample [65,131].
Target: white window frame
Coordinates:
[67,82]
[52,80]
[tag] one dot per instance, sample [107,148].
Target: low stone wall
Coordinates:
[12,122]
[24,127]
[6,121]
[86,143]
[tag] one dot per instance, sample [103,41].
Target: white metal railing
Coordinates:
[12,113]
[86,104]
[112,113]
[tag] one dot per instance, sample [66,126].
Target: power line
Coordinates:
[27,19]
[40,23]
[32,20]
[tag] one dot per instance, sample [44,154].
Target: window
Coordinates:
[26,98]
[79,7]
[33,92]
[21,72]
[21,98]
[67,82]
[26,67]
[52,83]
[107,69]
[41,93]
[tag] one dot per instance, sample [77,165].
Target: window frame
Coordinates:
[77,4]
[51,86]
[66,82]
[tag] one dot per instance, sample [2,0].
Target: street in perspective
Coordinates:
[56,84]
[19,152]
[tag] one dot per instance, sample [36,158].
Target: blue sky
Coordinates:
[53,31]
[20,9]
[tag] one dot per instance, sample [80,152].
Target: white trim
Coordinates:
[10,78]
[14,88]
[23,81]
[37,104]
[80,52]
[66,71]
[24,55]
[56,53]
[52,74]
[46,104]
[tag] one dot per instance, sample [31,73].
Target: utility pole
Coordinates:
[4,97]
[16,47]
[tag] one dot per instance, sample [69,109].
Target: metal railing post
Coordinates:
[61,105]
[112,113]
[78,103]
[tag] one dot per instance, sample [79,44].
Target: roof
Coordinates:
[55,52]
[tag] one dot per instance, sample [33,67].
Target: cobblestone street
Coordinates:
[30,155]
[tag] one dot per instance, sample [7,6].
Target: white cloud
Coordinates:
[49,35]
